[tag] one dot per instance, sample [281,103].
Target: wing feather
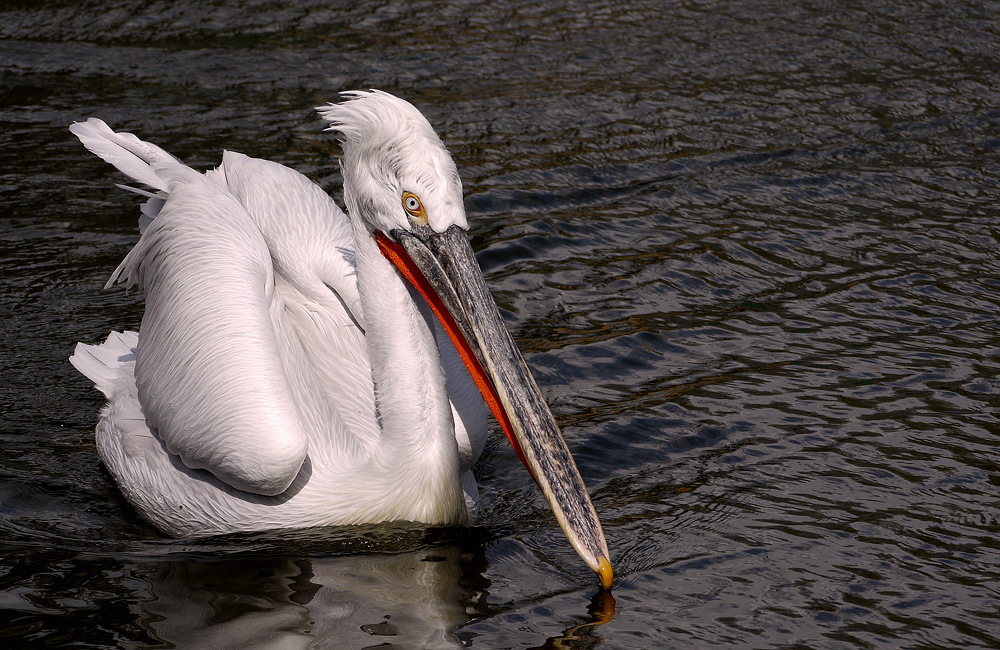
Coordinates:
[311,245]
[208,368]
[308,236]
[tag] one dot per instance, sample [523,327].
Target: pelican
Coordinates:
[298,366]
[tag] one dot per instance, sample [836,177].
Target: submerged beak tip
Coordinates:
[605,573]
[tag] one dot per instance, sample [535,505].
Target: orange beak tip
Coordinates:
[605,573]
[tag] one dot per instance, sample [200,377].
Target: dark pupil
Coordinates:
[411,203]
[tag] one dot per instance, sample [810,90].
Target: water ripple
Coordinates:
[749,249]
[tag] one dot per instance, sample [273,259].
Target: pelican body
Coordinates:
[296,366]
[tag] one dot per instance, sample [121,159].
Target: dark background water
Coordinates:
[749,249]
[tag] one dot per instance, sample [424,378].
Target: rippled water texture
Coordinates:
[750,251]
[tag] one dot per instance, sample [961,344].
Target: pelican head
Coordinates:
[400,181]
[396,169]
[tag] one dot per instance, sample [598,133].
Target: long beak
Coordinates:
[443,268]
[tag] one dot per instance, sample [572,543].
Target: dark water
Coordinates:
[750,250]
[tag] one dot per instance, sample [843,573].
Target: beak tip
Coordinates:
[605,573]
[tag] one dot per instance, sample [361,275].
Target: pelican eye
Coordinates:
[412,204]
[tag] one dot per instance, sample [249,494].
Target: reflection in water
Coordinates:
[579,637]
[409,600]
[416,599]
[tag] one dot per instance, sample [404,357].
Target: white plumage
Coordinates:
[252,363]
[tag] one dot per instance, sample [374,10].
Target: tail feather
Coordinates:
[126,152]
[110,365]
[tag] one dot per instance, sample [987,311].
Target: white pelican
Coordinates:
[298,367]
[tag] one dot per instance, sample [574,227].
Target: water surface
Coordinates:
[749,249]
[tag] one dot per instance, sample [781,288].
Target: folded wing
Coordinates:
[208,368]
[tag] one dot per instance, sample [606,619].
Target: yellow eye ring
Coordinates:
[413,206]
